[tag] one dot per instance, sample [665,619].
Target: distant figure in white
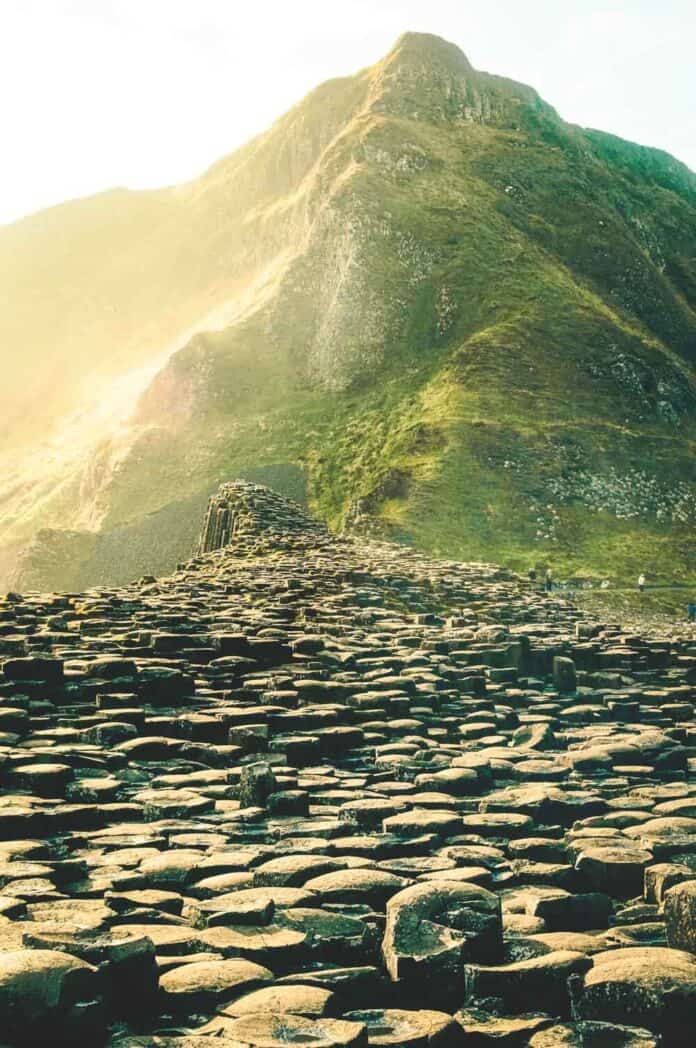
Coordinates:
[641,582]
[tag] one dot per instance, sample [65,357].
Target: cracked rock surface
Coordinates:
[322,790]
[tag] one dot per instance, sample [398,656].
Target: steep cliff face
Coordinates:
[461,321]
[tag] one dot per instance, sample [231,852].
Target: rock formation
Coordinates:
[323,789]
[241,509]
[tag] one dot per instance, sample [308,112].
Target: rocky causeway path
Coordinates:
[327,791]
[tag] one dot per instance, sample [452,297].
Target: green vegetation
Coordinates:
[470,325]
[664,606]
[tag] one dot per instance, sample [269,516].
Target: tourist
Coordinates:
[548,580]
[641,582]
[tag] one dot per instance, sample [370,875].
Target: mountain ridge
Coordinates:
[410,270]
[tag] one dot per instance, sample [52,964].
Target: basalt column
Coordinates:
[243,508]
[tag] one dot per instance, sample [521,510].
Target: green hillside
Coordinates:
[464,323]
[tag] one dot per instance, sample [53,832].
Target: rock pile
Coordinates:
[325,790]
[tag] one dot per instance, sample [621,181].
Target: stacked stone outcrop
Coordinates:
[241,509]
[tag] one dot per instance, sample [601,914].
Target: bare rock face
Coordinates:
[319,789]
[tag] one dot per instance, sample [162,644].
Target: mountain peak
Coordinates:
[428,48]
[424,77]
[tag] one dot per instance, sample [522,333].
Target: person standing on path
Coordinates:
[548,580]
[641,583]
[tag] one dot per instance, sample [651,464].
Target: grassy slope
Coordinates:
[477,323]
[474,412]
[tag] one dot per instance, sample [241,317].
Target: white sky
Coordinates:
[97,93]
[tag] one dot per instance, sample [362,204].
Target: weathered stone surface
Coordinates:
[564,676]
[126,962]
[404,1028]
[373,887]
[310,785]
[650,987]
[433,928]
[660,877]
[593,1035]
[680,916]
[486,1028]
[46,994]
[543,980]
[204,984]
[277,1031]
[256,784]
[310,1001]
[615,870]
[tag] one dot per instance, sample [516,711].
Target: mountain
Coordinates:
[421,302]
